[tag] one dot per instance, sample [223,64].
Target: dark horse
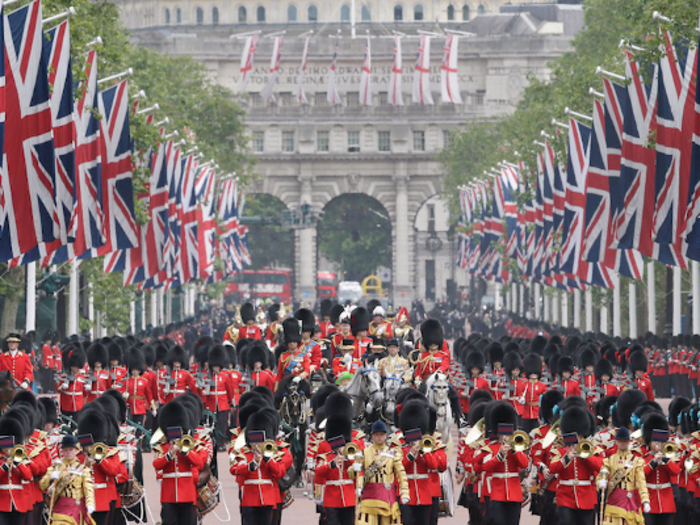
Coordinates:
[7,390]
[290,398]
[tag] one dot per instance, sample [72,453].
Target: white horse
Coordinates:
[392,385]
[365,389]
[437,391]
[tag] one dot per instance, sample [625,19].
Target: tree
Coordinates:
[268,244]
[355,233]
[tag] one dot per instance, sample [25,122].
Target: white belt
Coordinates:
[336,482]
[659,486]
[73,393]
[575,482]
[417,476]
[506,475]
[10,487]
[178,391]
[216,393]
[100,485]
[178,475]
[258,482]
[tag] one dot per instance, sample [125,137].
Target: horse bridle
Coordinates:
[362,373]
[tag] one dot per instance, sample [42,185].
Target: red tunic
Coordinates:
[339,366]
[576,488]
[180,475]
[98,386]
[73,395]
[46,356]
[139,395]
[533,392]
[417,472]
[12,494]
[431,362]
[644,385]
[326,328]
[183,382]
[250,332]
[19,365]
[259,485]
[117,377]
[339,489]
[505,482]
[220,394]
[104,474]
[659,482]
[263,378]
[293,363]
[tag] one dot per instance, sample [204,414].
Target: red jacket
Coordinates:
[183,382]
[465,390]
[220,394]
[576,488]
[570,387]
[505,482]
[258,485]
[104,474]
[361,347]
[339,366]
[533,392]
[98,386]
[138,395]
[249,332]
[315,352]
[152,377]
[431,362]
[339,489]
[73,396]
[293,363]
[336,341]
[39,461]
[13,496]
[417,472]
[644,385]
[19,365]
[46,356]
[659,482]
[263,378]
[117,377]
[441,459]
[326,328]
[180,475]
[609,390]
[496,381]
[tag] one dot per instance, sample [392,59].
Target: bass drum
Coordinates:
[133,494]
[208,497]
[447,494]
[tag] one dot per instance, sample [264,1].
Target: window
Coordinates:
[398,13]
[313,13]
[291,13]
[259,141]
[419,140]
[480,10]
[320,98]
[418,12]
[384,140]
[261,14]
[366,15]
[465,13]
[446,138]
[256,100]
[322,141]
[383,98]
[242,15]
[288,141]
[478,99]
[200,15]
[450,13]
[178,15]
[353,141]
[345,13]
[431,217]
[167,16]
[353,99]
[215,15]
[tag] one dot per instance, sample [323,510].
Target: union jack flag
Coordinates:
[171,249]
[159,191]
[675,126]
[206,235]
[188,213]
[539,232]
[28,181]
[693,225]
[120,226]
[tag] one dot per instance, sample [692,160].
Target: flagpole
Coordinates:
[132,316]
[617,315]
[565,309]
[30,321]
[545,315]
[73,299]
[554,312]
[91,310]
[633,309]
[676,300]
[497,297]
[522,301]
[695,267]
[589,310]
[651,298]
[536,314]
[577,308]
[154,308]
[604,321]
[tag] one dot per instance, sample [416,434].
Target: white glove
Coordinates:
[63,386]
[359,493]
[154,412]
[405,500]
[24,385]
[125,395]
[55,474]
[603,484]
[90,509]
[88,387]
[647,508]
[357,467]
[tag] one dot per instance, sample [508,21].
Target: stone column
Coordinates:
[617,307]
[577,308]
[633,309]
[306,250]
[554,312]
[565,309]
[91,310]
[30,319]
[651,298]
[677,300]
[537,314]
[589,310]
[402,254]
[73,298]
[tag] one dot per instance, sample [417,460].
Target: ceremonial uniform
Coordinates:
[250,332]
[417,510]
[343,364]
[77,494]
[338,486]
[570,387]
[362,347]
[19,365]
[178,490]
[263,378]
[72,393]
[104,475]
[117,377]
[576,479]
[382,467]
[139,397]
[627,489]
[337,341]
[431,362]
[96,385]
[383,330]
[295,363]
[176,382]
[659,479]
[395,367]
[258,483]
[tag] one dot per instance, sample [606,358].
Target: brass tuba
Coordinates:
[551,435]
[520,441]
[476,432]
[585,449]
[427,444]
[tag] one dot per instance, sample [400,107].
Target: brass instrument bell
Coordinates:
[186,443]
[585,449]
[98,451]
[520,441]
[269,448]
[18,453]
[669,449]
[427,444]
[551,435]
[350,451]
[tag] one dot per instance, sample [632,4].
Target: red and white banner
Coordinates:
[395,94]
[267,92]
[366,78]
[248,59]
[421,73]
[301,96]
[449,82]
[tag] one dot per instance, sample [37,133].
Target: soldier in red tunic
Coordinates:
[661,471]
[98,377]
[16,362]
[417,462]
[294,360]
[71,383]
[432,359]
[346,362]
[176,378]
[359,321]
[47,357]
[249,330]
[343,328]
[588,380]
[568,386]
[258,360]
[117,370]
[534,388]
[638,365]
[326,325]
[14,503]
[475,364]
[604,373]
[137,389]
[310,347]
[218,393]
[514,385]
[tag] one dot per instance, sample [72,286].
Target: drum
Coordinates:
[208,497]
[133,494]
[288,499]
[447,495]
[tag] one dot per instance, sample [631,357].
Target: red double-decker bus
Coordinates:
[274,283]
[326,285]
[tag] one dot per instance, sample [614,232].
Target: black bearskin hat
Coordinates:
[638,361]
[258,353]
[359,320]
[414,414]
[120,402]
[338,403]
[249,409]
[325,308]
[653,421]
[247,312]
[272,312]
[511,361]
[335,312]
[475,359]
[604,367]
[319,398]
[136,361]
[548,401]
[149,354]
[116,353]
[218,357]
[266,420]
[571,345]
[178,354]
[12,427]
[502,412]
[565,363]
[627,402]
[307,319]
[372,304]
[431,333]
[94,422]
[339,425]
[533,365]
[588,358]
[602,409]
[73,357]
[495,351]
[479,395]
[576,419]
[292,330]
[174,415]
[538,344]
[265,393]
[50,409]
[161,352]
[674,408]
[476,411]
[97,353]
[25,396]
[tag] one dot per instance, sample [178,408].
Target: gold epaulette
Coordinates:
[282,444]
[43,435]
[37,450]
[113,451]
[537,432]
[487,449]
[360,435]
[696,435]
[556,455]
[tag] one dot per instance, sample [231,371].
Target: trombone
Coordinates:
[520,441]
[98,451]
[669,449]
[350,451]
[585,449]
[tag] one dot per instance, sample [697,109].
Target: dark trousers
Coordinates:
[255,515]
[138,419]
[12,518]
[576,516]
[47,380]
[434,511]
[549,509]
[221,429]
[415,514]
[504,512]
[474,505]
[277,514]
[658,519]
[178,514]
[340,516]
[101,518]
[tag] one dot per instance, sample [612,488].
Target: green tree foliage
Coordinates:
[355,233]
[268,244]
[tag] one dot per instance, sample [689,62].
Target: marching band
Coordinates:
[564,426]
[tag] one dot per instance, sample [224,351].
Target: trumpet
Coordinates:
[520,441]
[269,448]
[18,453]
[427,444]
[98,451]
[669,449]
[185,443]
[350,451]
[585,449]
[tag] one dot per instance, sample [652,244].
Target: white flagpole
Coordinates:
[577,308]
[651,296]
[301,96]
